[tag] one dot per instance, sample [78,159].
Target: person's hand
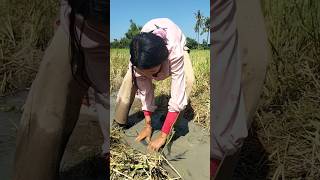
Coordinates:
[156,144]
[145,134]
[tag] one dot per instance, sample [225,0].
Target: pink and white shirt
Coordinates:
[173,66]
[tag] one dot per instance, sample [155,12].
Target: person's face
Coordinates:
[152,72]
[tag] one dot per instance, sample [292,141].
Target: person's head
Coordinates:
[148,51]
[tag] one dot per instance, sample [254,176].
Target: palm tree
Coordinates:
[199,24]
[206,27]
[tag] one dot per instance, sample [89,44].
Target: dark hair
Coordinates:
[148,50]
[78,64]
[93,11]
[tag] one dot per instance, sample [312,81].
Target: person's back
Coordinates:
[176,38]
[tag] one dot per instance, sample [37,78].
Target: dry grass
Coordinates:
[288,118]
[129,163]
[24,33]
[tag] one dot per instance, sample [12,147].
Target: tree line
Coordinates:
[201,27]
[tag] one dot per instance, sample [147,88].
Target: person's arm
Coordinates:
[146,95]
[178,100]
[147,116]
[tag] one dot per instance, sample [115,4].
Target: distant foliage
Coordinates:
[135,29]
[124,42]
[193,44]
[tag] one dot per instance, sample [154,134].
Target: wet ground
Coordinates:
[81,160]
[9,119]
[189,152]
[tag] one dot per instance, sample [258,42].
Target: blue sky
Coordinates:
[141,11]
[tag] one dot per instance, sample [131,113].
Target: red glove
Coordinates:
[170,120]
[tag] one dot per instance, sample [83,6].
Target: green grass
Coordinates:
[200,96]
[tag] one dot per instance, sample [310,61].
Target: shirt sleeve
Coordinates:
[169,122]
[146,93]
[178,100]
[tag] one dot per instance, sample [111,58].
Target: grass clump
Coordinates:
[129,163]
[25,30]
[288,117]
